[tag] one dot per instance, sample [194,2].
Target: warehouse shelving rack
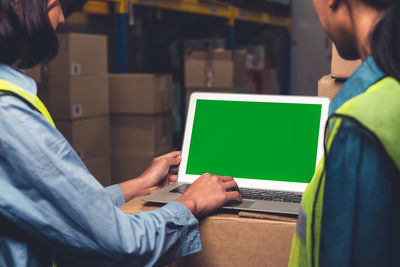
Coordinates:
[216,9]
[124,14]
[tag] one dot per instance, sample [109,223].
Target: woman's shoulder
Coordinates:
[357,147]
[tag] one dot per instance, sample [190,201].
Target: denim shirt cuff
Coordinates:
[115,193]
[191,242]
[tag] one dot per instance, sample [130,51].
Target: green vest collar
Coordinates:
[378,110]
[364,77]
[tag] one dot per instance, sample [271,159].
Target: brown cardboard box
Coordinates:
[79,55]
[190,91]
[230,240]
[76,97]
[217,68]
[140,93]
[270,83]
[128,165]
[78,17]
[141,133]
[341,68]
[100,168]
[328,86]
[89,137]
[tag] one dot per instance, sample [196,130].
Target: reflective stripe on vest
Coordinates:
[30,98]
[378,111]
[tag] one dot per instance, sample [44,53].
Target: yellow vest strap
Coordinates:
[32,99]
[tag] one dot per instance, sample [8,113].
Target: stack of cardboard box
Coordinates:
[341,70]
[262,76]
[215,71]
[141,121]
[75,90]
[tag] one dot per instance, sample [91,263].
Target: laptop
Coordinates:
[269,144]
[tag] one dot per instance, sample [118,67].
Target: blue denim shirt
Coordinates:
[360,223]
[51,204]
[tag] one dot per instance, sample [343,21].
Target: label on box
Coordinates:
[77,111]
[163,83]
[45,68]
[76,69]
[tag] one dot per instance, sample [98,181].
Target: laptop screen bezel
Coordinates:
[241,181]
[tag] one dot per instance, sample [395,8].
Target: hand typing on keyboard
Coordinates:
[257,194]
[208,193]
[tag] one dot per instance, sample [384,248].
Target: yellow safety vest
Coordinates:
[378,110]
[31,99]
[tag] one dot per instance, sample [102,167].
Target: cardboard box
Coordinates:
[216,68]
[141,93]
[76,97]
[79,55]
[190,91]
[128,165]
[200,44]
[89,137]
[77,17]
[341,68]
[235,240]
[141,133]
[100,168]
[329,87]
[264,81]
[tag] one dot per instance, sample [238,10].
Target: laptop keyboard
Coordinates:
[257,194]
[271,195]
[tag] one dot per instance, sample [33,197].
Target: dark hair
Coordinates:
[385,41]
[26,35]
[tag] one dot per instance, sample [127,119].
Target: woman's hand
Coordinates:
[161,172]
[209,193]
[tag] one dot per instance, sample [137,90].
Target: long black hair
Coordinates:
[385,41]
[26,35]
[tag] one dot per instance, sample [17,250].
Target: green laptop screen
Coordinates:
[255,140]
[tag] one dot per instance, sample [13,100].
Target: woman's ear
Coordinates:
[16,5]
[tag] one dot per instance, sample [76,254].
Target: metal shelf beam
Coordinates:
[194,7]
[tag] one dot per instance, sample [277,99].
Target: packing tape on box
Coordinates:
[266,216]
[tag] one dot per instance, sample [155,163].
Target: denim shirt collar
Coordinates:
[18,78]
[364,77]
